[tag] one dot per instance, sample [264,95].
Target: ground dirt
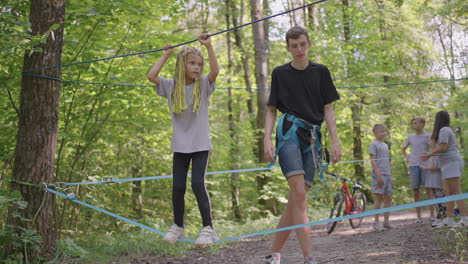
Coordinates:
[408,242]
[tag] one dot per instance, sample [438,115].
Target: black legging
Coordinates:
[181,163]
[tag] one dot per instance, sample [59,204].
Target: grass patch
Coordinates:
[454,241]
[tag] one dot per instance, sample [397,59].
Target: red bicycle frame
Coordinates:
[349,201]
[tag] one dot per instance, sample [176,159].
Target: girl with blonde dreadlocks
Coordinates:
[187,95]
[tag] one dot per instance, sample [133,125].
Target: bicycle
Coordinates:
[355,203]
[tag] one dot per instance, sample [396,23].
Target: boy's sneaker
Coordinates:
[309,260]
[387,225]
[432,219]
[419,221]
[207,236]
[274,258]
[174,233]
[378,227]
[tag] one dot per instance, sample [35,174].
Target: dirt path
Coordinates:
[407,243]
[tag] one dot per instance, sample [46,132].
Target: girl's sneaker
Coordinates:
[378,227]
[387,225]
[174,233]
[447,222]
[419,221]
[309,260]
[462,223]
[274,258]
[437,222]
[464,220]
[207,236]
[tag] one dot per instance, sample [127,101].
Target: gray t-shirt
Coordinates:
[380,150]
[191,131]
[418,144]
[446,135]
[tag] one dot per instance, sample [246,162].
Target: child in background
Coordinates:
[433,183]
[451,166]
[419,143]
[382,182]
[187,96]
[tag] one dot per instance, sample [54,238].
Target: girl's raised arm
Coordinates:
[214,68]
[156,69]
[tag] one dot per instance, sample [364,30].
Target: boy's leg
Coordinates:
[288,217]
[298,200]
[281,237]
[387,203]
[199,164]
[377,204]
[416,199]
[415,175]
[180,166]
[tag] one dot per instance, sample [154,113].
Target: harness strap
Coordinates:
[291,134]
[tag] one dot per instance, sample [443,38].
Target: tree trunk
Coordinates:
[235,177]
[356,105]
[37,129]
[261,73]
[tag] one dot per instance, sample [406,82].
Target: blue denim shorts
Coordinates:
[294,162]
[418,177]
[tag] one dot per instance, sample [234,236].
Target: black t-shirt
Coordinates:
[302,93]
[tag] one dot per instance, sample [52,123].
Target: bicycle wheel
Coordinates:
[335,212]
[360,206]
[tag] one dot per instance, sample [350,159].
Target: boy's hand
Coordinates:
[424,168]
[380,179]
[168,49]
[336,153]
[204,39]
[268,150]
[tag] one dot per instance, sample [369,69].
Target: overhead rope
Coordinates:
[178,45]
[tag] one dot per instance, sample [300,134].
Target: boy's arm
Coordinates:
[268,149]
[156,69]
[331,124]
[403,150]
[374,166]
[214,67]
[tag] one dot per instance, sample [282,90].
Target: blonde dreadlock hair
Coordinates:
[178,94]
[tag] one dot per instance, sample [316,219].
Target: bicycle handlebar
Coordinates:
[336,176]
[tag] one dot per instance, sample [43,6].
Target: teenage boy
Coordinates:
[303,92]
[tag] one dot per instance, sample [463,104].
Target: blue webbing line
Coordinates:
[446,199]
[165,176]
[181,44]
[224,88]
[268,167]
[114,215]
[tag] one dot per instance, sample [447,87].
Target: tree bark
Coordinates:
[261,73]
[356,105]
[235,177]
[37,129]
